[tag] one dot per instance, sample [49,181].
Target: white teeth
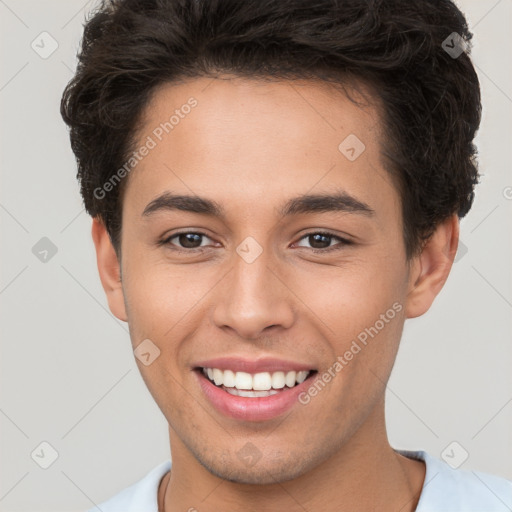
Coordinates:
[217,376]
[251,394]
[229,379]
[302,376]
[278,381]
[242,380]
[290,379]
[259,382]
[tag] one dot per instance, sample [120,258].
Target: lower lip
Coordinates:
[252,409]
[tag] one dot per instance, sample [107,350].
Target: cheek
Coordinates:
[154,297]
[359,310]
[161,301]
[351,296]
[346,296]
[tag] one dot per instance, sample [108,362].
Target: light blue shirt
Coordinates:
[444,490]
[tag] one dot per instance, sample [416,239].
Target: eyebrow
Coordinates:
[305,204]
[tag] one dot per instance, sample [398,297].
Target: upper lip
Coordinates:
[264,364]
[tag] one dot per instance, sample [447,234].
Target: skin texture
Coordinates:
[251,146]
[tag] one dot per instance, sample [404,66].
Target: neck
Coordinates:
[364,474]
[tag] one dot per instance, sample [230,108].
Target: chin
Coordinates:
[259,474]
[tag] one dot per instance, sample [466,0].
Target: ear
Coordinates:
[431,268]
[109,269]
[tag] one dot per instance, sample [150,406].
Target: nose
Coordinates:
[253,298]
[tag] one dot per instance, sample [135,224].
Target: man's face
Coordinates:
[257,289]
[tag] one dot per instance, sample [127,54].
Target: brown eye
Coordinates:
[186,241]
[321,241]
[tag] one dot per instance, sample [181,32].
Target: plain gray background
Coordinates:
[68,374]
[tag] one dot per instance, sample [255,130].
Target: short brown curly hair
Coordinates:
[400,48]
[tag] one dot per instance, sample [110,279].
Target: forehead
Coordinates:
[234,108]
[219,137]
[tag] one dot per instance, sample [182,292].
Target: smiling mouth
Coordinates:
[260,384]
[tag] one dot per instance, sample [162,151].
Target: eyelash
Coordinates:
[338,247]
